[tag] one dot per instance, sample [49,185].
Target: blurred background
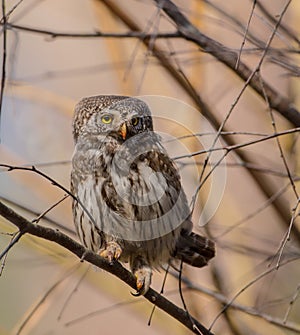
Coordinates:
[54,55]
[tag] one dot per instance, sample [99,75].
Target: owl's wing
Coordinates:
[147,200]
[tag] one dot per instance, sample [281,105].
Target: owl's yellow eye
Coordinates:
[135,121]
[107,119]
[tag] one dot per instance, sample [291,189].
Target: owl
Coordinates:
[130,205]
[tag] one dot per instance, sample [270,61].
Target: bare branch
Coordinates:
[250,283]
[116,269]
[264,184]
[4,54]
[13,241]
[53,182]
[283,105]
[245,34]
[96,34]
[53,223]
[271,18]
[239,145]
[243,308]
[42,215]
[44,297]
[294,298]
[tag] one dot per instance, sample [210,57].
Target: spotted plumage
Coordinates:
[131,204]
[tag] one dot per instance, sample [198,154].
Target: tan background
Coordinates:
[47,76]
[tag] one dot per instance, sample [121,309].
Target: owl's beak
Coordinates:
[123,131]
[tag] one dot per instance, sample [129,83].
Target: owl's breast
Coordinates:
[135,200]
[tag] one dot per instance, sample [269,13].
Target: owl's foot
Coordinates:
[142,272]
[112,251]
[143,280]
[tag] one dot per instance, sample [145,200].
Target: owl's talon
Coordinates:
[139,284]
[143,280]
[136,294]
[118,253]
[112,251]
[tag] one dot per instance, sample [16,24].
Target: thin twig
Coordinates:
[13,241]
[2,265]
[258,210]
[266,187]
[4,55]
[275,130]
[245,34]
[101,311]
[10,12]
[53,223]
[248,166]
[4,254]
[270,17]
[233,105]
[53,182]
[255,280]
[161,292]
[240,307]
[188,31]
[36,220]
[287,235]
[96,34]
[183,300]
[39,303]
[72,292]
[238,146]
[150,46]
[291,304]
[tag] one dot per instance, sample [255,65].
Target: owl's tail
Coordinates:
[194,249]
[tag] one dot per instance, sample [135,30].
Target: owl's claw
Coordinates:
[136,294]
[112,251]
[143,280]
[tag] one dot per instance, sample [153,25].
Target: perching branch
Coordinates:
[26,227]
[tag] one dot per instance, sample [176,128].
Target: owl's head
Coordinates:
[118,116]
